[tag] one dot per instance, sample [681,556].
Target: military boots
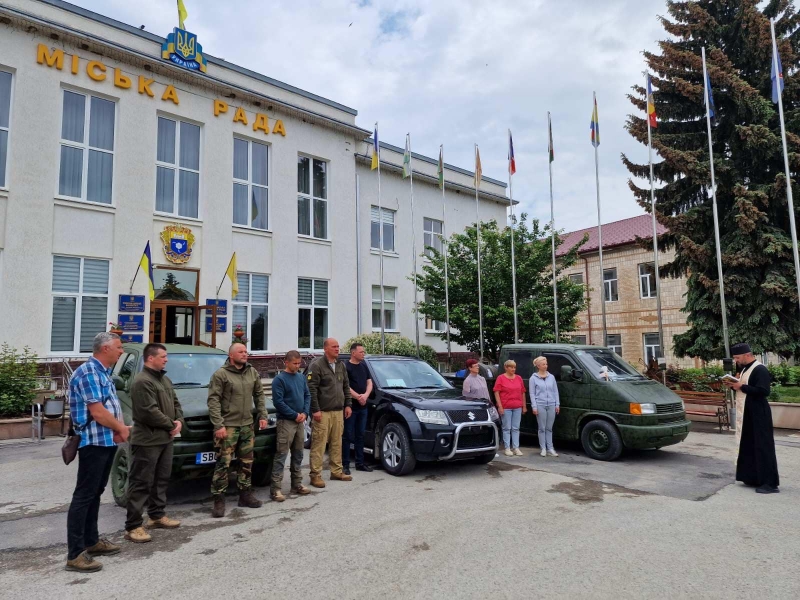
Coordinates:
[248,499]
[219,506]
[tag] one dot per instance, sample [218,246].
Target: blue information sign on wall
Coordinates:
[132,322]
[131,304]
[132,338]
[222,305]
[222,324]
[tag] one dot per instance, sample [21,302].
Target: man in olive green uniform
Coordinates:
[232,392]
[330,393]
[157,419]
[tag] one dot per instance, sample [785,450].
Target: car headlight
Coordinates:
[434,417]
[493,414]
[643,409]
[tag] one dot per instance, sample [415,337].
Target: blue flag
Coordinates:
[711,108]
[776,79]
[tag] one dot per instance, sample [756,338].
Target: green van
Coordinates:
[605,403]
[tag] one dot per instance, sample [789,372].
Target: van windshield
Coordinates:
[606,365]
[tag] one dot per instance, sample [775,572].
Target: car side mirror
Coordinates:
[570,374]
[577,374]
[119,383]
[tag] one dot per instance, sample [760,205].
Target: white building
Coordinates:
[111,138]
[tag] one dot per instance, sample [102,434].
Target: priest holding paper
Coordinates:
[757,465]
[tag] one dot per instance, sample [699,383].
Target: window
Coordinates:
[614,342]
[432,234]
[388,229]
[579,339]
[250,184]
[554,364]
[652,349]
[611,285]
[80,303]
[5,122]
[87,161]
[178,168]
[312,302]
[647,280]
[250,309]
[125,368]
[389,308]
[312,197]
[432,324]
[576,278]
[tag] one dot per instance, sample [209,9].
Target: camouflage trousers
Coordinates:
[239,440]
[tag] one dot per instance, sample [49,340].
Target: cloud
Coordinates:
[456,72]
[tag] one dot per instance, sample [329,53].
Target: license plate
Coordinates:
[205,458]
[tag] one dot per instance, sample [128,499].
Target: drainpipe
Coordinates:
[588,297]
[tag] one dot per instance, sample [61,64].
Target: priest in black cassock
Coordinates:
[757,465]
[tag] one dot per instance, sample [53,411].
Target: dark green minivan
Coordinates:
[605,403]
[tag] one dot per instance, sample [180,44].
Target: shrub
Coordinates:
[17,380]
[395,345]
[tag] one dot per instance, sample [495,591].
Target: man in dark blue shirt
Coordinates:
[360,390]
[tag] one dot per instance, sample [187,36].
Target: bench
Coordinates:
[714,400]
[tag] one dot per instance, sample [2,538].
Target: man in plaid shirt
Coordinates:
[97,417]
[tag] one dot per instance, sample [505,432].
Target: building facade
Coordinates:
[112,138]
[630,292]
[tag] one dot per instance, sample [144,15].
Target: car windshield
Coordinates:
[407,374]
[606,365]
[193,369]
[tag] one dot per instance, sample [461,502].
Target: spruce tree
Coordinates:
[758,268]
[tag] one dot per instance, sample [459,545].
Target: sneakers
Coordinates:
[301,489]
[219,506]
[508,452]
[543,452]
[162,523]
[317,482]
[341,477]
[277,496]
[552,453]
[518,452]
[103,546]
[83,563]
[138,536]
[247,499]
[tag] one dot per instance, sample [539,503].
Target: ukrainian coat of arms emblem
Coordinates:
[178,241]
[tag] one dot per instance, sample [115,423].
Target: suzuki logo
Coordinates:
[471,416]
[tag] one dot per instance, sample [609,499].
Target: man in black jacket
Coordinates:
[157,419]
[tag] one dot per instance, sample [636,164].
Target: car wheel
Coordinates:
[262,473]
[119,474]
[485,459]
[307,434]
[601,440]
[397,457]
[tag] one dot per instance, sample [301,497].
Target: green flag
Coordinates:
[440,168]
[407,159]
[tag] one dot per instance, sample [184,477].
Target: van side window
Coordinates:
[556,361]
[126,367]
[524,360]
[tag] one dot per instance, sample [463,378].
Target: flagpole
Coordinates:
[714,207]
[478,231]
[655,234]
[513,263]
[446,251]
[600,232]
[789,198]
[413,244]
[226,274]
[552,227]
[380,241]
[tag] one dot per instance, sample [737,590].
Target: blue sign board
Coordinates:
[222,306]
[222,324]
[131,322]
[132,338]
[131,304]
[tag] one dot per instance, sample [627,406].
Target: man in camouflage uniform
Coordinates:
[233,390]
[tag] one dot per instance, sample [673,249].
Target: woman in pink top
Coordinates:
[509,391]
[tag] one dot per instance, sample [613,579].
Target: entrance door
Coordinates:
[172,323]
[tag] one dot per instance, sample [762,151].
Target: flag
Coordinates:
[512,164]
[711,109]
[774,78]
[440,168]
[407,158]
[182,14]
[375,149]
[595,126]
[550,150]
[651,105]
[255,210]
[146,263]
[478,170]
[233,275]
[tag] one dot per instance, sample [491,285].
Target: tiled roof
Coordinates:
[615,234]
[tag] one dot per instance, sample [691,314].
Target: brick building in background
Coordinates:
[629,280]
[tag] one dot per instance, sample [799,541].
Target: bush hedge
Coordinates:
[395,345]
[17,380]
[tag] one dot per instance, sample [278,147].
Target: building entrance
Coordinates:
[176,317]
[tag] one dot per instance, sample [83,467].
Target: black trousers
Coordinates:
[94,467]
[147,482]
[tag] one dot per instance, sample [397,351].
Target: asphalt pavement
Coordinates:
[661,524]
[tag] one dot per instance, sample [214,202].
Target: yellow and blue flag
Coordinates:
[595,126]
[146,263]
[233,274]
[376,158]
[651,105]
[182,14]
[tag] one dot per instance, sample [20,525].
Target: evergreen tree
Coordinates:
[758,267]
[534,287]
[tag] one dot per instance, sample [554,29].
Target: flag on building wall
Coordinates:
[440,168]
[375,149]
[407,158]
[775,79]
[512,164]
[146,263]
[182,14]
[550,150]
[233,274]
[651,105]
[478,170]
[595,126]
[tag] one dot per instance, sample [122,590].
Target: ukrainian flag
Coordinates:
[146,263]
[375,149]
[651,105]
[595,126]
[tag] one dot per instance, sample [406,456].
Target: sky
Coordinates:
[458,73]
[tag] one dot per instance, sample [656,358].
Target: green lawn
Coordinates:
[786,394]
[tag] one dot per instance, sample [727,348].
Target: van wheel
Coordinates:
[397,457]
[601,440]
[119,474]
